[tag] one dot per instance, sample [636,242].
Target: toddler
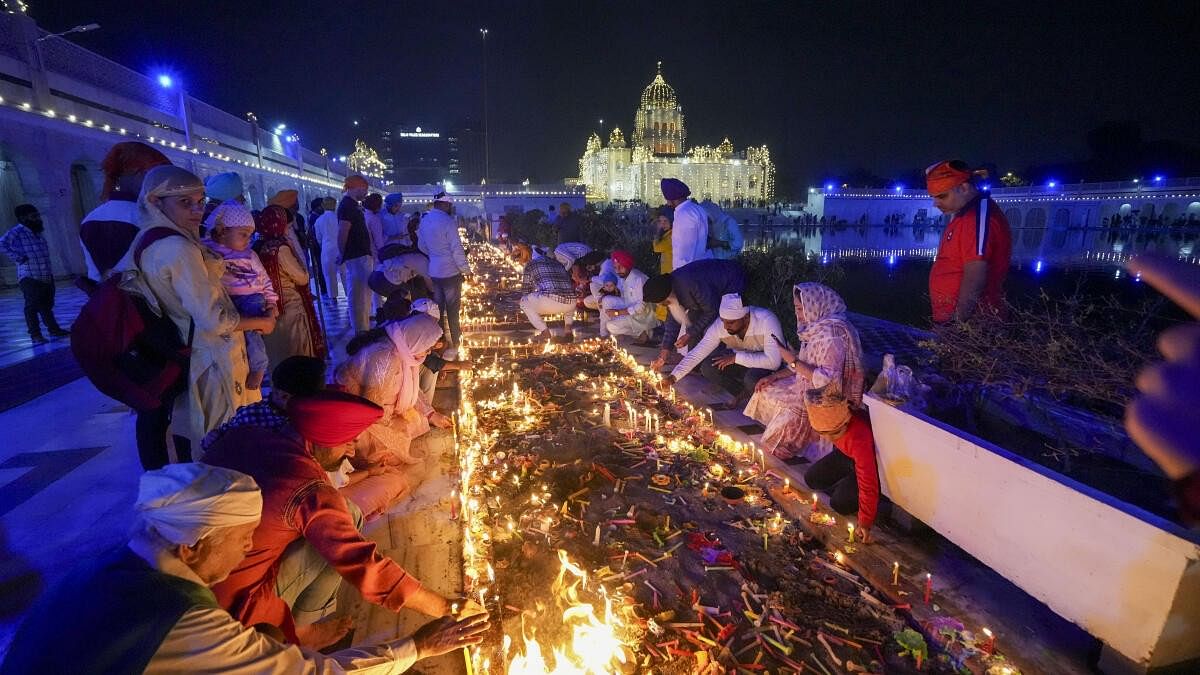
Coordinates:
[230,227]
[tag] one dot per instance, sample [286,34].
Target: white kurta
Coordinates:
[755,350]
[641,317]
[209,640]
[185,280]
[689,234]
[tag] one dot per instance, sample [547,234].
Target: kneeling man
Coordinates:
[308,540]
[627,313]
[748,351]
[548,290]
[146,607]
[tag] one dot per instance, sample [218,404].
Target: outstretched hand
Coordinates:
[1161,418]
[447,634]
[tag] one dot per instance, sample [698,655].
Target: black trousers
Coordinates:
[150,430]
[734,378]
[39,300]
[834,475]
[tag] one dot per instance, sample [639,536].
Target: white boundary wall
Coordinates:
[1126,576]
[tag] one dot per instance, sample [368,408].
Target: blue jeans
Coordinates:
[254,304]
[447,293]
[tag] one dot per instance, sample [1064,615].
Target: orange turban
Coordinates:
[126,159]
[288,199]
[330,418]
[355,181]
[947,175]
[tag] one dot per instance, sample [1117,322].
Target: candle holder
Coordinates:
[733,494]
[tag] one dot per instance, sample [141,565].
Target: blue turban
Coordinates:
[394,199]
[224,186]
[673,188]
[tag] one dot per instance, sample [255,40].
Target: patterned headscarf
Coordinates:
[273,226]
[821,320]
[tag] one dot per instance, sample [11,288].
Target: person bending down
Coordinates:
[849,476]
[548,290]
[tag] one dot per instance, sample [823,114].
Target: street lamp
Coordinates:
[487,149]
[167,81]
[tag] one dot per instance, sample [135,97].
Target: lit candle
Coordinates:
[787,485]
[607,415]
[454,504]
[596,539]
[815,504]
[928,587]
[990,646]
[850,529]
[705,492]
[895,574]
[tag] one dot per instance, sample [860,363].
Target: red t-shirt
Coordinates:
[970,237]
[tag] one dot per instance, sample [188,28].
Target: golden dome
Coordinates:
[593,143]
[725,148]
[616,139]
[659,94]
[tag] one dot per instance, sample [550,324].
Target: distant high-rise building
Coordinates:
[465,153]
[418,156]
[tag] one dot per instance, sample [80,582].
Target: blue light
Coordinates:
[1158,179]
[829,186]
[1037,267]
[899,188]
[985,187]
[166,81]
[1052,184]
[891,260]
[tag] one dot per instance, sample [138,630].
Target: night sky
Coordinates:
[828,86]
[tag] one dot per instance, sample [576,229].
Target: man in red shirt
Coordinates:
[308,540]
[972,258]
[830,415]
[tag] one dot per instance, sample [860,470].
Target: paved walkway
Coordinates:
[69,469]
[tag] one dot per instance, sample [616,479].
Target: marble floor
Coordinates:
[69,469]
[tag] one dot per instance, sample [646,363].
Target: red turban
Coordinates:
[126,159]
[355,181]
[947,175]
[623,258]
[330,418]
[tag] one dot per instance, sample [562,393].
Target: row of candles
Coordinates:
[467,496]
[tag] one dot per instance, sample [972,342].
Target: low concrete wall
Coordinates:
[1124,575]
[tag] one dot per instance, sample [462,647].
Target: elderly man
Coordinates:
[438,238]
[748,338]
[548,290]
[973,257]
[692,294]
[627,313]
[354,246]
[146,606]
[309,540]
[689,234]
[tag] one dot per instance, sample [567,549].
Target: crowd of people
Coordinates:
[249,513]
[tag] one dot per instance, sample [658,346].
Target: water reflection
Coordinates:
[1039,246]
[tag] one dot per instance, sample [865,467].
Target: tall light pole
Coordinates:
[487,147]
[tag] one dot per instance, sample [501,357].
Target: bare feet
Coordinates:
[324,632]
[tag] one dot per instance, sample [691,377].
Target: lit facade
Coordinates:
[621,171]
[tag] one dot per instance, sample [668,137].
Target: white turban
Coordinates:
[731,307]
[429,307]
[186,502]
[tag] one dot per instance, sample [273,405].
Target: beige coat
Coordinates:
[183,279]
[292,335]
